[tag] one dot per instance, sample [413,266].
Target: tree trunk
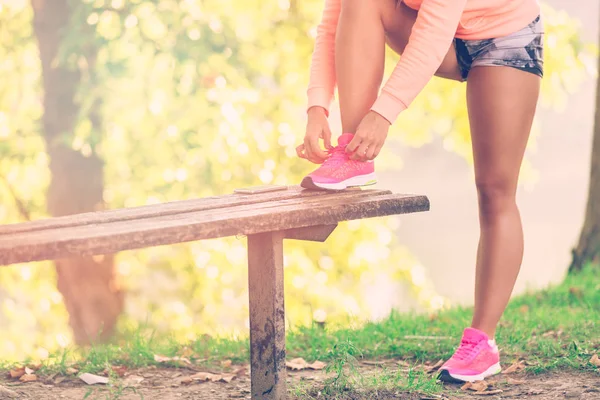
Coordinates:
[588,249]
[88,284]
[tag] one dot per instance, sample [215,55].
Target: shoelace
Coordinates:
[465,350]
[336,154]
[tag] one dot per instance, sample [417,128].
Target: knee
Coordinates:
[398,20]
[495,195]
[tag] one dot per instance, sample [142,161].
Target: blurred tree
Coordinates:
[86,283]
[588,248]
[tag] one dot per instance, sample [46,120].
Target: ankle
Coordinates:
[491,333]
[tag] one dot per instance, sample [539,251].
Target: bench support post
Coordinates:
[267,316]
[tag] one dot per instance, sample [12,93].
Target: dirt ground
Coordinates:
[171,384]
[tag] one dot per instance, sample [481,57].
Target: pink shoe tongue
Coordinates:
[345,138]
[475,335]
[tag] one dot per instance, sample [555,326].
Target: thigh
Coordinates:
[398,20]
[502,102]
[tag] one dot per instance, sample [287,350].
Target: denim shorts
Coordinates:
[522,50]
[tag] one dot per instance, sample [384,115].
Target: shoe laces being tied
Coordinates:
[466,350]
[337,156]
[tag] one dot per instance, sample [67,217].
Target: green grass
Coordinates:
[571,310]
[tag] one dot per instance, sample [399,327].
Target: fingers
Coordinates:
[369,138]
[354,143]
[300,151]
[327,137]
[360,153]
[313,151]
[370,152]
[366,150]
[359,145]
[376,151]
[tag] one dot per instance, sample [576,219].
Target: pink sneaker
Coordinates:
[339,172]
[475,359]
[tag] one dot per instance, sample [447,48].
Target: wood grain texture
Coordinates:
[245,219]
[171,208]
[267,316]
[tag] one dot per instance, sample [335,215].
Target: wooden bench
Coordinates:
[265,218]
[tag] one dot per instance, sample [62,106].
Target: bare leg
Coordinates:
[500,126]
[363,30]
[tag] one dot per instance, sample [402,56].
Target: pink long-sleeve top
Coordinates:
[437,24]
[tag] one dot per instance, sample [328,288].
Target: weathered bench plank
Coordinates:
[172,208]
[273,216]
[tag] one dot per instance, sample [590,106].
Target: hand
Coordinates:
[317,128]
[369,138]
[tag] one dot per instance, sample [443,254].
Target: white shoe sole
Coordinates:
[359,180]
[493,370]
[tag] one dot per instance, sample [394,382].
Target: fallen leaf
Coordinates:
[240,371]
[512,381]
[133,380]
[71,371]
[549,333]
[160,359]
[226,363]
[296,364]
[488,392]
[59,379]
[477,386]
[35,367]
[227,377]
[595,360]
[120,370]
[92,379]
[434,367]
[28,378]
[300,363]
[186,380]
[518,366]
[317,365]
[17,372]
[206,376]
[186,352]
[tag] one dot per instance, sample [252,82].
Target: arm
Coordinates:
[322,71]
[431,37]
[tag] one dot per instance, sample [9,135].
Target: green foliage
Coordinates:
[342,358]
[199,98]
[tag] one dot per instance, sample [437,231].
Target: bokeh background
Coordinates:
[165,100]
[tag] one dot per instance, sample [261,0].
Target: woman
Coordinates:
[495,46]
